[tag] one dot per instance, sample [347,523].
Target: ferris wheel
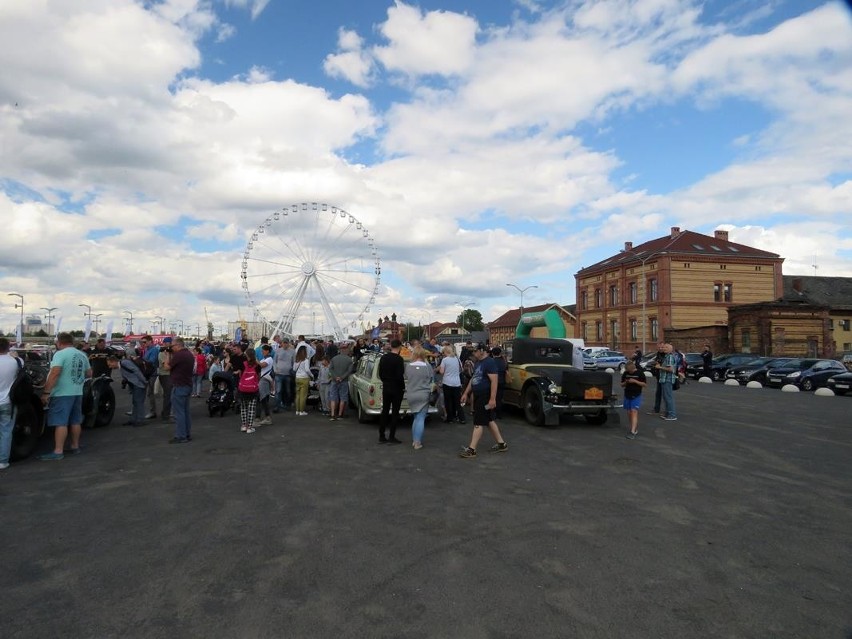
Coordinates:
[311,269]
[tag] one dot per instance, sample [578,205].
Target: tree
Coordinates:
[41,333]
[470,319]
[412,331]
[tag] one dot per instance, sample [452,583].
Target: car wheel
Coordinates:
[534,405]
[839,392]
[718,375]
[106,407]
[363,417]
[807,384]
[27,429]
[597,419]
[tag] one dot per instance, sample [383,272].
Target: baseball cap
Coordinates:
[167,340]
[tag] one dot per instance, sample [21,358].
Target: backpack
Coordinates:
[249,382]
[22,388]
[147,368]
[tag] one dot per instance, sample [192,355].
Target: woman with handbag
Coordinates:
[418,388]
[304,377]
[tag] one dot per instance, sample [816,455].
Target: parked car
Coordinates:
[840,384]
[365,390]
[722,363]
[605,359]
[807,374]
[694,365]
[755,370]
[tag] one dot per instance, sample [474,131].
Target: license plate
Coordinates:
[593,393]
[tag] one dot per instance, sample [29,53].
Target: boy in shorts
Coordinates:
[632,381]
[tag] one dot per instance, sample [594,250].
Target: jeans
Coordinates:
[668,398]
[6,427]
[180,406]
[418,424]
[166,385]
[196,384]
[137,396]
[282,391]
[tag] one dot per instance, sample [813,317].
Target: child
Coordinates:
[632,381]
[324,379]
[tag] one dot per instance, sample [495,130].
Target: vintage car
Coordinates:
[542,381]
[365,390]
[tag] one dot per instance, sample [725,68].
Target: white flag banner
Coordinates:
[88,329]
[109,332]
[58,324]
[18,336]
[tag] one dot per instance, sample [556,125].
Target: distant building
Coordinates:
[502,329]
[446,331]
[677,287]
[832,292]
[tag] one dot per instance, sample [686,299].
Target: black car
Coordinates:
[806,373]
[755,370]
[694,365]
[722,363]
[840,384]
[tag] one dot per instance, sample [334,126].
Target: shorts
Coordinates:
[481,415]
[65,410]
[632,403]
[338,391]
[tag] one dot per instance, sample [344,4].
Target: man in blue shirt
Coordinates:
[483,387]
[151,354]
[668,374]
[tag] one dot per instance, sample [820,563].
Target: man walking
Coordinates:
[667,376]
[483,386]
[9,367]
[282,365]
[392,374]
[63,396]
[180,371]
[339,370]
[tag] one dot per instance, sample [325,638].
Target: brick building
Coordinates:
[681,283]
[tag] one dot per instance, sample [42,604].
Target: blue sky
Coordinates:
[477,143]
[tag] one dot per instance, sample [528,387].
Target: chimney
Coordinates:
[720,235]
[628,246]
[797,284]
[675,231]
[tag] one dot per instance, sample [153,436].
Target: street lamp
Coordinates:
[463,307]
[49,314]
[181,326]
[88,312]
[522,291]
[160,320]
[21,306]
[130,323]
[97,322]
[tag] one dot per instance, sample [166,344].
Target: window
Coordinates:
[723,267]
[632,292]
[845,324]
[717,291]
[634,330]
[584,300]
[728,291]
[756,268]
[652,284]
[746,338]
[585,327]
[654,327]
[613,295]
[599,330]
[598,300]
[613,332]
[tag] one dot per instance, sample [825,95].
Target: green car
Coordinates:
[365,390]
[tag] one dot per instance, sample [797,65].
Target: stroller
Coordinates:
[221,398]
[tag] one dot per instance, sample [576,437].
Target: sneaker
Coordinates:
[500,448]
[468,452]
[150,416]
[243,428]
[51,457]
[265,421]
[130,412]
[249,431]
[669,419]
[416,445]
[4,466]
[631,435]
[333,419]
[652,412]
[178,440]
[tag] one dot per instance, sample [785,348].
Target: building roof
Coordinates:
[681,243]
[834,292]
[511,317]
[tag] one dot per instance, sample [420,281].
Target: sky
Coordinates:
[469,144]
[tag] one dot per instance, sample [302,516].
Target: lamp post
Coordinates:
[21,306]
[522,291]
[130,322]
[97,323]
[463,305]
[49,315]
[160,321]
[88,312]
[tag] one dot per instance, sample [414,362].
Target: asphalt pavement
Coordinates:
[733,521]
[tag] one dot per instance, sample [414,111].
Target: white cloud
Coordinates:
[256,6]
[351,63]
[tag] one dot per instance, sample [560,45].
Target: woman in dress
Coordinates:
[418,386]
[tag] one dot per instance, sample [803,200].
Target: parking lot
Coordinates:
[732,522]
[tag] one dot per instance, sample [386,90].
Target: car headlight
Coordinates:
[552,389]
[795,374]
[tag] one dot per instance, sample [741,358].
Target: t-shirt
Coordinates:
[284,361]
[632,390]
[452,371]
[480,382]
[74,365]
[501,370]
[180,367]
[392,371]
[98,361]
[266,371]
[237,362]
